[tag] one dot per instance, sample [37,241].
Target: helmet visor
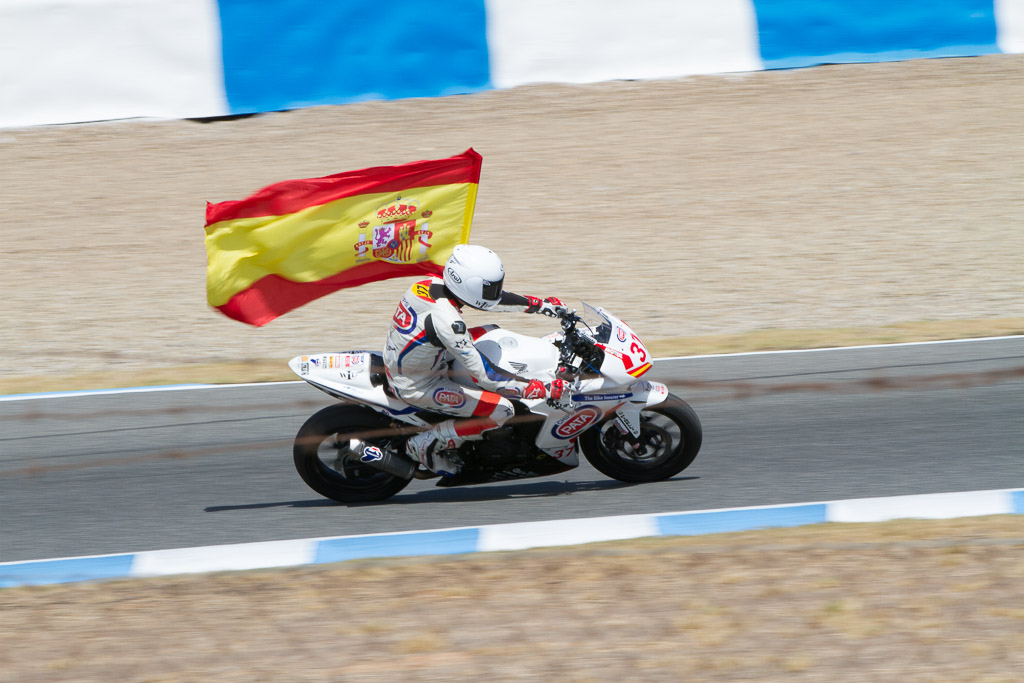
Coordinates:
[492,290]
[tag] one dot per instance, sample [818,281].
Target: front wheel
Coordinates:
[670,436]
[328,466]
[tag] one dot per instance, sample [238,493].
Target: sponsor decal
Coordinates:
[620,334]
[519,368]
[371,454]
[304,369]
[454,276]
[562,453]
[405,318]
[593,398]
[352,361]
[613,352]
[656,387]
[627,423]
[447,397]
[569,427]
[315,361]
[422,290]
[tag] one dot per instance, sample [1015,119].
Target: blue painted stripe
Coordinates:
[1017,500]
[447,542]
[417,341]
[65,571]
[795,33]
[720,521]
[296,53]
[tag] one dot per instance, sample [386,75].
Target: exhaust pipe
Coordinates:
[392,463]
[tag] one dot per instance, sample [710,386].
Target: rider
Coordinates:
[428,331]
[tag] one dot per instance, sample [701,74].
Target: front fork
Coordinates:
[627,416]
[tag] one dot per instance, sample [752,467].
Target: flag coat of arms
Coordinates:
[298,240]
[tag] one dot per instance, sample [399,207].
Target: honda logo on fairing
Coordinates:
[568,427]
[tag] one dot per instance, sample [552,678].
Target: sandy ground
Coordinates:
[837,197]
[909,601]
[846,196]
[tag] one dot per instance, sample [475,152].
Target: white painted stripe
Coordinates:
[136,390]
[845,348]
[539,41]
[924,506]
[521,535]
[224,558]
[184,387]
[1010,25]
[91,60]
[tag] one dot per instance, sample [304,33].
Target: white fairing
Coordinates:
[516,354]
[347,375]
[617,392]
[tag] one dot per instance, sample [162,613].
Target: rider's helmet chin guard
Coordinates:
[475,275]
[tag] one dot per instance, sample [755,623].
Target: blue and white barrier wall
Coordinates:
[516,536]
[83,60]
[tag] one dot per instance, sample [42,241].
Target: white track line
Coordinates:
[189,387]
[845,348]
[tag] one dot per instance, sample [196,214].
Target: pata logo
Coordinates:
[573,425]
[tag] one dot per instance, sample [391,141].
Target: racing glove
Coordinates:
[550,306]
[538,389]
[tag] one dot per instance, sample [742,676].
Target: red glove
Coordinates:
[535,389]
[550,306]
[557,388]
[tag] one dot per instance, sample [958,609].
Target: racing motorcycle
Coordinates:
[628,428]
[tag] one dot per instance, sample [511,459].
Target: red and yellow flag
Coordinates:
[298,240]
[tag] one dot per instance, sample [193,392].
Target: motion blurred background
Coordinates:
[671,160]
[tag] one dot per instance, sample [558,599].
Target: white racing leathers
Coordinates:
[426,334]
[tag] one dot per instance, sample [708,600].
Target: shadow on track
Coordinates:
[542,489]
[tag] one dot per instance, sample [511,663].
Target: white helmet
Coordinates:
[475,275]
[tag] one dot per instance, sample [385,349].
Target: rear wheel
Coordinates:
[328,466]
[670,437]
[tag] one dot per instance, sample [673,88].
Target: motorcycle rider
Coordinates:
[428,331]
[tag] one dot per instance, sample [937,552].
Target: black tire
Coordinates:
[354,482]
[670,429]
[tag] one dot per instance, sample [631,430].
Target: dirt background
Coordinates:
[859,197]
[908,601]
[854,196]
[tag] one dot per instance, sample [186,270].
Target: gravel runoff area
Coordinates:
[853,196]
[906,600]
[837,197]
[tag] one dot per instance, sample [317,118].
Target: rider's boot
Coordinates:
[432,449]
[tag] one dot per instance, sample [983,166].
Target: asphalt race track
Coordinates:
[99,474]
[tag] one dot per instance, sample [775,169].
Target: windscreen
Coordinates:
[599,324]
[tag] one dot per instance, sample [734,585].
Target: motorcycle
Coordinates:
[629,429]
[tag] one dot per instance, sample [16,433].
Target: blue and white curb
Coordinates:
[208,58]
[497,537]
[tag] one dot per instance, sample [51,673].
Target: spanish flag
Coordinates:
[298,240]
